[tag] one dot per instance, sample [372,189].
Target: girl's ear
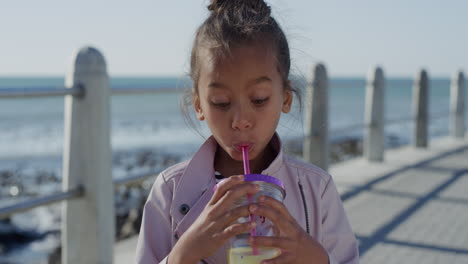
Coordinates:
[287,100]
[197,107]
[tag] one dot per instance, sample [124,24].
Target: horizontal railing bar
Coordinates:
[135,178]
[41,201]
[139,90]
[61,196]
[76,91]
[40,92]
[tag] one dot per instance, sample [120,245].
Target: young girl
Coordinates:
[240,65]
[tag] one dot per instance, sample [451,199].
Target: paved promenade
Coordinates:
[413,208]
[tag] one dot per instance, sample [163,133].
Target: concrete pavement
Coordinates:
[413,208]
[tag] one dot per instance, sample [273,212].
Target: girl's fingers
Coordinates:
[277,206]
[276,231]
[283,258]
[234,194]
[283,243]
[224,186]
[286,226]
[234,214]
[236,229]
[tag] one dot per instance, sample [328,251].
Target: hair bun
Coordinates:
[216,5]
[255,6]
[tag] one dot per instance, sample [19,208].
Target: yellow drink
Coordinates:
[244,255]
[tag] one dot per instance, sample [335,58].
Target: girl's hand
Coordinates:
[296,245]
[216,224]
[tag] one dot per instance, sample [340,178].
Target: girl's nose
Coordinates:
[241,122]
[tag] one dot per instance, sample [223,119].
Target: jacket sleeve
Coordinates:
[338,238]
[155,238]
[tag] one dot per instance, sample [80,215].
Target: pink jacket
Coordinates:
[311,198]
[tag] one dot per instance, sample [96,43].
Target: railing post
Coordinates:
[316,119]
[457,106]
[420,109]
[374,116]
[88,223]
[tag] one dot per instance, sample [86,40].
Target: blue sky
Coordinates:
[153,38]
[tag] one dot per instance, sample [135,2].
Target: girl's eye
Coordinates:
[221,105]
[260,101]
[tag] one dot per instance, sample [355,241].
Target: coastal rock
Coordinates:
[56,256]
[12,236]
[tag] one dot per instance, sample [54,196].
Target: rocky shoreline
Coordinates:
[22,182]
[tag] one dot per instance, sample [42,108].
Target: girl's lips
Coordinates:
[239,146]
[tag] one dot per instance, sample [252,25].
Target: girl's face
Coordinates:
[241,99]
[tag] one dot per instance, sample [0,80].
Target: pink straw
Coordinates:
[245,156]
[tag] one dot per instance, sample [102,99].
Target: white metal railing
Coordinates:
[41,201]
[77,91]
[316,143]
[87,188]
[78,192]
[88,221]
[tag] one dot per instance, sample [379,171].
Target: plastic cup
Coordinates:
[240,251]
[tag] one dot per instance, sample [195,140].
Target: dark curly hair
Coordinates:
[233,23]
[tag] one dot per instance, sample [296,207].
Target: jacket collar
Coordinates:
[197,177]
[276,164]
